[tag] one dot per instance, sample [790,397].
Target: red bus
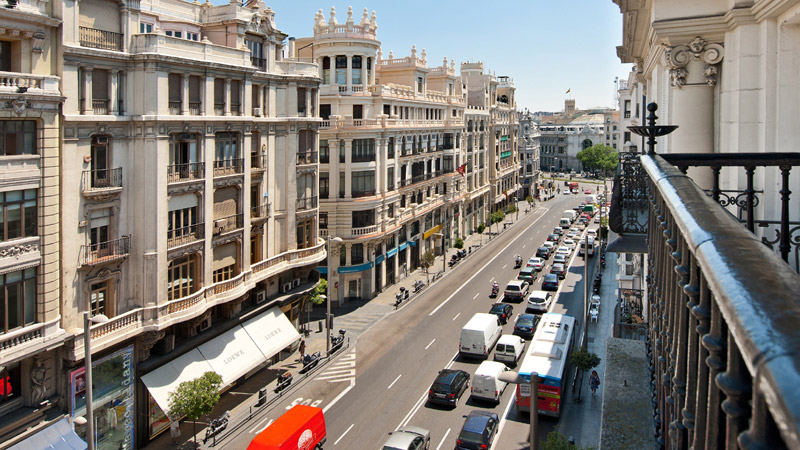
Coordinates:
[547,355]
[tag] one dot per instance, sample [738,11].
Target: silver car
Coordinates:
[408,438]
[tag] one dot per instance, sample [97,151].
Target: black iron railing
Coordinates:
[99,179]
[306,203]
[104,252]
[358,194]
[260,211]
[186,172]
[258,162]
[185,235]
[261,63]
[228,166]
[306,158]
[104,40]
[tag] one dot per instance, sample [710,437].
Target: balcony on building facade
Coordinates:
[104,40]
[306,203]
[228,224]
[224,167]
[260,63]
[260,212]
[186,172]
[305,158]
[359,194]
[195,108]
[101,183]
[105,252]
[185,235]
[175,107]
[258,163]
[30,83]
[385,122]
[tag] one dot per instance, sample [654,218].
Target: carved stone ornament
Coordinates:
[147,341]
[38,381]
[18,250]
[679,56]
[19,105]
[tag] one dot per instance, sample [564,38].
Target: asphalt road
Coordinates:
[396,361]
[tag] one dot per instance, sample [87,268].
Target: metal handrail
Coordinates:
[306,203]
[101,179]
[185,235]
[106,251]
[723,320]
[228,166]
[188,171]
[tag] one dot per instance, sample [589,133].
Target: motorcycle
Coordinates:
[284,380]
[217,425]
[453,261]
[517,262]
[419,285]
[400,296]
[337,341]
[495,290]
[310,361]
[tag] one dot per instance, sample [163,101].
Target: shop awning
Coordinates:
[59,436]
[231,354]
[166,378]
[271,332]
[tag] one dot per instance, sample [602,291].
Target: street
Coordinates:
[382,382]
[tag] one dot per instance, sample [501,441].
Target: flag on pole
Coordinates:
[567,91]
[462,168]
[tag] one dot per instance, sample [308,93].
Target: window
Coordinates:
[99,298]
[356,69]
[363,218]
[363,150]
[358,111]
[219,96]
[180,277]
[145,28]
[341,70]
[390,210]
[363,183]
[18,296]
[17,137]
[224,273]
[175,82]
[341,184]
[325,111]
[390,150]
[324,185]
[323,221]
[192,36]
[627,137]
[304,231]
[180,222]
[10,386]
[227,147]
[177,34]
[18,214]
[390,178]
[324,151]
[326,70]
[420,84]
[357,254]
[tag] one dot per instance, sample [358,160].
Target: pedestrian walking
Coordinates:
[594,381]
[174,431]
[302,349]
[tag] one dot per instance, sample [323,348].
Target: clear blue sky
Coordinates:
[547,46]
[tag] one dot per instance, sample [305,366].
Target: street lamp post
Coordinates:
[585,288]
[515,378]
[87,350]
[329,297]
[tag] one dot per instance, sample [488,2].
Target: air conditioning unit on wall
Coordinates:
[261,296]
[296,282]
[286,288]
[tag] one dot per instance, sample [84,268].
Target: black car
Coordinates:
[478,431]
[448,387]
[550,282]
[503,311]
[554,237]
[526,325]
[543,252]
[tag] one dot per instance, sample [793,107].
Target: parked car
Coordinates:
[553,237]
[550,282]
[528,274]
[516,290]
[526,325]
[560,270]
[478,430]
[560,258]
[536,262]
[408,438]
[448,387]
[539,302]
[503,311]
[543,252]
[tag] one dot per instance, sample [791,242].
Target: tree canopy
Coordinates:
[195,398]
[599,157]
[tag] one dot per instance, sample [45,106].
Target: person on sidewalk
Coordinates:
[302,349]
[175,431]
[594,381]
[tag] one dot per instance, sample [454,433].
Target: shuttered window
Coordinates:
[100,14]
[225,202]
[99,84]
[175,87]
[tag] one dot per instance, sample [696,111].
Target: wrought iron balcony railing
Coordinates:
[108,251]
[228,167]
[101,179]
[260,211]
[306,158]
[229,223]
[306,203]
[258,162]
[186,172]
[185,235]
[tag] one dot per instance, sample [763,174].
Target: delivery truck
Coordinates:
[300,428]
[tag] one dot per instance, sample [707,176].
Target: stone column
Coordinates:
[693,74]
[380,165]
[228,97]
[113,97]
[364,72]
[348,160]
[185,95]
[333,174]
[349,75]
[309,96]
[207,93]
[88,109]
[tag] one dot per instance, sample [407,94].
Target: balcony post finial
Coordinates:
[652,131]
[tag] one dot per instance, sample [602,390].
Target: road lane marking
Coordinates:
[431,343]
[422,399]
[343,434]
[443,438]
[456,317]
[339,397]
[505,265]
[269,422]
[476,296]
[395,381]
[485,265]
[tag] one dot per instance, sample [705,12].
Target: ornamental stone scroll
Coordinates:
[680,56]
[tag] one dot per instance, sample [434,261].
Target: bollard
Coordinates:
[320,327]
[262,397]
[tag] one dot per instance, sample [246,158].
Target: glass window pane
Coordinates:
[30,301]
[13,196]
[14,307]
[30,218]
[13,221]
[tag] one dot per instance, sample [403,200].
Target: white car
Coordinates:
[550,245]
[566,191]
[564,250]
[536,263]
[592,233]
[539,301]
[569,243]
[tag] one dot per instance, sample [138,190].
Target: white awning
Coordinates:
[59,436]
[271,331]
[166,378]
[232,354]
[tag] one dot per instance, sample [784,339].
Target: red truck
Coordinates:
[300,428]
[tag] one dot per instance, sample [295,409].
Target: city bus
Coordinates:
[547,355]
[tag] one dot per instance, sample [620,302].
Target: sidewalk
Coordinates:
[356,317]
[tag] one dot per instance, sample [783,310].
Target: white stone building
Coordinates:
[390,143]
[560,143]
[529,150]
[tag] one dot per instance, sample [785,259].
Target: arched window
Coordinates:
[586,143]
[326,70]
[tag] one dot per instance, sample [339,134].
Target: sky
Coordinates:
[546,46]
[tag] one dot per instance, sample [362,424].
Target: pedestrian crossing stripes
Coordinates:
[344,369]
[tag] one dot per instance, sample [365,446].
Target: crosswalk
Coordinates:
[357,324]
[344,369]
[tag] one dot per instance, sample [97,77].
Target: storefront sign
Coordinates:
[428,233]
[391,252]
[379,259]
[403,246]
[358,268]
[112,400]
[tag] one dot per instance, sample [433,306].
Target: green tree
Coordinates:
[319,291]
[557,441]
[481,228]
[426,261]
[511,209]
[529,199]
[584,360]
[195,398]
[599,157]
[497,217]
[459,243]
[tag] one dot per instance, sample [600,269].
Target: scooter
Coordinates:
[217,425]
[400,296]
[419,285]
[517,262]
[310,361]
[453,261]
[495,291]
[337,341]
[284,380]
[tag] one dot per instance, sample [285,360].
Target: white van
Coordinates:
[485,383]
[564,222]
[592,199]
[479,335]
[570,214]
[509,349]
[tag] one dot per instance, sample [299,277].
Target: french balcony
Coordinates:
[103,40]
[101,183]
[305,158]
[228,224]
[195,108]
[185,235]
[106,252]
[219,109]
[260,63]
[721,320]
[224,167]
[260,212]
[100,107]
[306,203]
[175,107]
[186,172]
